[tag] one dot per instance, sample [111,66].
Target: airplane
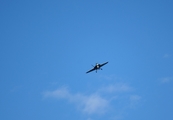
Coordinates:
[97,67]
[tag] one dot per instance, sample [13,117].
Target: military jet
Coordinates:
[97,67]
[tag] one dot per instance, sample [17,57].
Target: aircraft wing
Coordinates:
[90,70]
[103,64]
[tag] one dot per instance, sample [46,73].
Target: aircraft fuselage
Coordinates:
[97,67]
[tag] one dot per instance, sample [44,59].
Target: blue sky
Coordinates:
[47,46]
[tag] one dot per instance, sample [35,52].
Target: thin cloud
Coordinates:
[119,87]
[135,99]
[91,104]
[166,79]
[166,56]
[117,97]
[59,93]
[95,104]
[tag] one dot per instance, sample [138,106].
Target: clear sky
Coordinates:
[46,47]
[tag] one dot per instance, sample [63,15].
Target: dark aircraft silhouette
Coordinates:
[97,67]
